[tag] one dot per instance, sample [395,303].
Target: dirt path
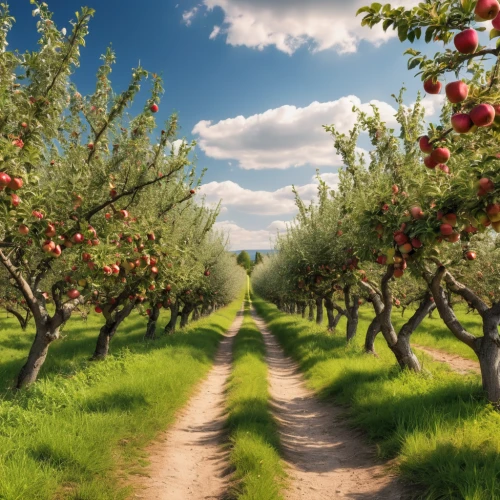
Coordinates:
[457,363]
[188,462]
[327,459]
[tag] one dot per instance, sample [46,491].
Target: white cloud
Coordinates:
[279,202]
[433,103]
[284,137]
[188,16]
[290,24]
[241,238]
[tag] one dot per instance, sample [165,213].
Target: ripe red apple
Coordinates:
[461,123]
[107,270]
[4,179]
[98,310]
[124,214]
[23,229]
[486,186]
[444,168]
[457,91]
[36,214]
[483,115]
[192,191]
[416,212]
[385,207]
[395,189]
[398,273]
[466,41]
[382,260]
[441,155]
[400,238]
[425,144]
[470,255]
[154,270]
[16,183]
[57,251]
[86,257]
[152,287]
[432,87]
[416,243]
[207,273]
[470,229]
[108,216]
[24,125]
[151,237]
[154,108]
[496,22]
[446,229]
[450,219]
[493,212]
[77,238]
[406,248]
[90,145]
[50,232]
[453,238]
[429,162]
[48,246]
[487,9]
[73,293]
[15,200]
[115,269]
[113,193]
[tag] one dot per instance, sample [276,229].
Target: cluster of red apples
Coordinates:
[481,115]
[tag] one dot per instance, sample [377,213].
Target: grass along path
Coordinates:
[75,437]
[258,470]
[188,461]
[327,459]
[439,429]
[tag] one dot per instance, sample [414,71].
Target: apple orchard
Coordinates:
[98,209]
[414,224]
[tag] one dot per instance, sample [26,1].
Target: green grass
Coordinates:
[253,432]
[82,427]
[439,428]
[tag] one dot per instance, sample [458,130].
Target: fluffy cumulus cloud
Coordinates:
[284,137]
[291,24]
[279,202]
[241,238]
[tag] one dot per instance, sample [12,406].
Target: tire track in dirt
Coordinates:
[188,461]
[456,362]
[326,458]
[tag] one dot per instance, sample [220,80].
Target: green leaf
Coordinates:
[376,6]
[494,34]
[412,63]
[386,24]
[429,33]
[363,9]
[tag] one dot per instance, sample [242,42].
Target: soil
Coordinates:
[326,458]
[188,461]
[454,361]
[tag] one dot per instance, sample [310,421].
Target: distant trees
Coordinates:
[244,261]
[258,259]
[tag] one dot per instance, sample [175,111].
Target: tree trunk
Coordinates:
[489,362]
[108,330]
[319,310]
[371,334]
[352,311]
[333,320]
[311,310]
[186,311]
[196,314]
[174,313]
[36,357]
[153,320]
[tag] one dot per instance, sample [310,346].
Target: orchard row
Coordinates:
[98,211]
[414,224]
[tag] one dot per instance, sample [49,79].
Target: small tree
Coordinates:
[244,261]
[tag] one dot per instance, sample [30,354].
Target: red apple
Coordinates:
[107,270]
[444,168]
[461,123]
[73,293]
[483,115]
[487,9]
[441,155]
[90,145]
[48,246]
[470,255]
[466,41]
[446,229]
[152,287]
[450,219]
[4,179]
[207,273]
[23,229]
[154,270]
[151,236]
[416,212]
[457,91]
[395,189]
[432,87]
[124,214]
[154,108]
[15,200]
[98,310]
[425,144]
[86,257]
[429,162]
[486,185]
[77,238]
[382,260]
[400,238]
[453,238]
[398,273]
[496,22]
[57,251]
[192,191]
[50,232]
[16,183]
[115,269]
[406,248]
[416,243]
[168,288]
[493,212]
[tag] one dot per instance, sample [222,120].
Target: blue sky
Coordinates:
[243,76]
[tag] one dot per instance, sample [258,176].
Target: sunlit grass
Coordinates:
[253,432]
[72,436]
[437,425]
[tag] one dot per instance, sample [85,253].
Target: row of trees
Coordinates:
[415,221]
[97,207]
